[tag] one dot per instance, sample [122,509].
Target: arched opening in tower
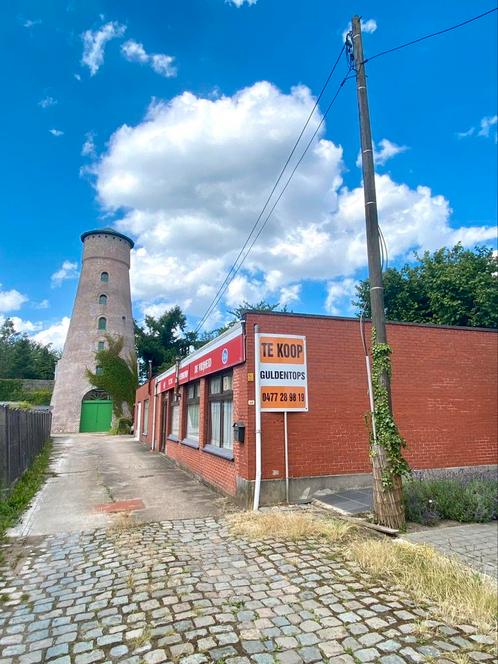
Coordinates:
[96,412]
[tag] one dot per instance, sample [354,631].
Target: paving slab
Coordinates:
[92,472]
[475,544]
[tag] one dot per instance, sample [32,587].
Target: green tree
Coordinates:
[21,357]
[237,313]
[449,287]
[117,375]
[161,340]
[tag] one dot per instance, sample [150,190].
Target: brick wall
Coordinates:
[444,397]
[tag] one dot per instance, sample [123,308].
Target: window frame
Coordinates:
[102,329]
[174,402]
[104,280]
[192,401]
[220,397]
[100,345]
[145,418]
[104,302]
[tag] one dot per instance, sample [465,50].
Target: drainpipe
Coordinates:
[257,403]
[154,390]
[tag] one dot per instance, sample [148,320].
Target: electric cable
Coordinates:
[324,87]
[432,34]
[235,268]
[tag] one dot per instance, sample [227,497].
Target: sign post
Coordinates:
[281,387]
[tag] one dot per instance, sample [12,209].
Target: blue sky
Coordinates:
[175,130]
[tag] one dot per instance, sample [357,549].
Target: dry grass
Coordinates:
[460,594]
[287,526]
[123,521]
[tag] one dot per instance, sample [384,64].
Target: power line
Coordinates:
[235,268]
[331,73]
[433,34]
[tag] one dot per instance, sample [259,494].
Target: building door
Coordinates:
[96,415]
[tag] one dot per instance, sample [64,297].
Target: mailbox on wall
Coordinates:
[239,432]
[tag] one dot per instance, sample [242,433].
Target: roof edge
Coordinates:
[107,231]
[264,312]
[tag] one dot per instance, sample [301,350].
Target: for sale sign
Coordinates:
[282,373]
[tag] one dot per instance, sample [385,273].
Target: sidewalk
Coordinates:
[475,544]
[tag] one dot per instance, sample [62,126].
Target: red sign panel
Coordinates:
[222,356]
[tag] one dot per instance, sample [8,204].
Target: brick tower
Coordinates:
[102,305]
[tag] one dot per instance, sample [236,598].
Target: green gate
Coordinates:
[96,415]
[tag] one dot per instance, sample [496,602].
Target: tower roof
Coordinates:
[107,231]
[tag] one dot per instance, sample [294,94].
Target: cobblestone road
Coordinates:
[187,592]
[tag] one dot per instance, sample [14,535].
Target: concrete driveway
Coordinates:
[96,476]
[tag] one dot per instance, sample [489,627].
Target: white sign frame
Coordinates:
[281,366]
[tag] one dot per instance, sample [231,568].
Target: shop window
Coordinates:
[145,424]
[193,402]
[104,277]
[174,420]
[102,323]
[103,299]
[220,410]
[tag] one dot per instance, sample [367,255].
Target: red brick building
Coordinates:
[444,399]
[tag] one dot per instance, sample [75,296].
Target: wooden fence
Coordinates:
[22,435]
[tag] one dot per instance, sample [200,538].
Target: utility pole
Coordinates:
[388,501]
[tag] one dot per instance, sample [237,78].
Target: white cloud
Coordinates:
[11,300]
[22,326]
[88,148]
[30,23]
[44,304]
[54,334]
[368,26]
[162,64]
[47,102]
[466,134]
[485,128]
[56,132]
[339,295]
[77,77]
[68,270]
[190,180]
[383,151]
[239,3]
[94,42]
[486,124]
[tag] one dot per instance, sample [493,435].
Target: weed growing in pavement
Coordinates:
[123,521]
[429,576]
[144,638]
[423,632]
[18,499]
[287,526]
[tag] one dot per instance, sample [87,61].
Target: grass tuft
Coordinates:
[287,526]
[18,499]
[459,593]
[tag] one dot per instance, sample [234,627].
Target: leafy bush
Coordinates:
[38,397]
[123,425]
[11,390]
[468,498]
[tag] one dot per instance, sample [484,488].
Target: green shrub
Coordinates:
[11,389]
[470,498]
[123,425]
[38,397]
